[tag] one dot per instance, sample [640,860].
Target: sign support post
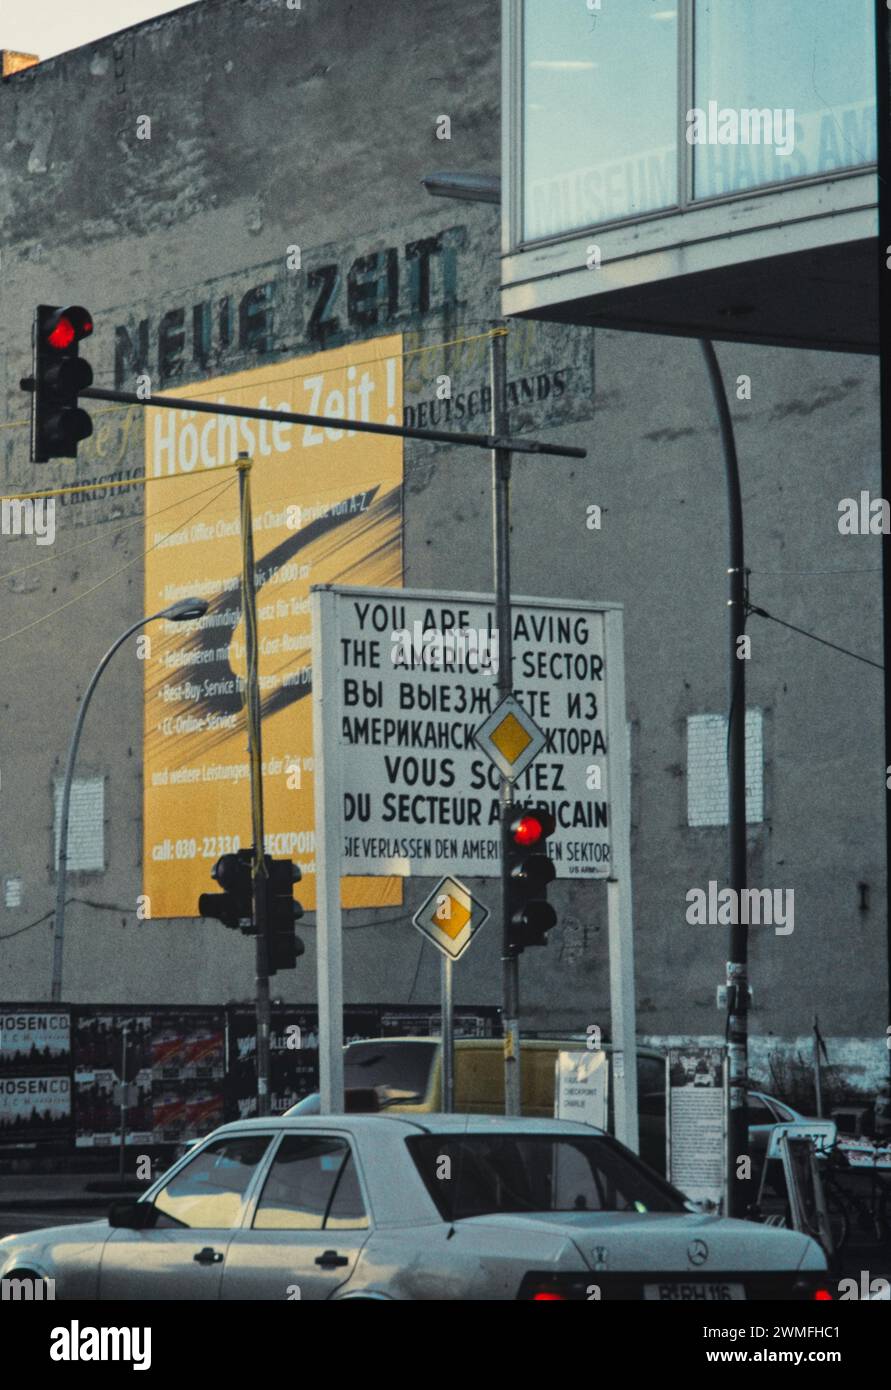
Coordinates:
[501,467]
[328,808]
[621,931]
[448,1035]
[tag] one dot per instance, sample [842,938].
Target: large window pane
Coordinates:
[599,112]
[811,58]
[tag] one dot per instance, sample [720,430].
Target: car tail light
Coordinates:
[822,1295]
[549,1296]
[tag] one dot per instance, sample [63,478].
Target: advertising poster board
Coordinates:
[327,507]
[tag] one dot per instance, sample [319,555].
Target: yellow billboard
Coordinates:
[327,508]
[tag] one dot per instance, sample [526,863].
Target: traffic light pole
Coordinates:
[501,467]
[255,758]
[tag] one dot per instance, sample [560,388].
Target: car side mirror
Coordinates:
[131,1214]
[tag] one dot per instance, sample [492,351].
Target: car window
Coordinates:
[347,1211]
[311,1185]
[477,1174]
[207,1193]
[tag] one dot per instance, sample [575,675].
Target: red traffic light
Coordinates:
[527,831]
[69,326]
[529,827]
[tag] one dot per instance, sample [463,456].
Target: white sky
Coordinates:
[47,27]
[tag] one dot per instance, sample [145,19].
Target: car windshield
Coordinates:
[479,1174]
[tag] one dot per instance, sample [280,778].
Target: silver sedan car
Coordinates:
[414,1207]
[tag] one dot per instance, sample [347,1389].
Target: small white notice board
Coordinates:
[580,1090]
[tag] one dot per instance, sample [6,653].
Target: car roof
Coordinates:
[424,1123]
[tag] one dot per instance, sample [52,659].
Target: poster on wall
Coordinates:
[35,1084]
[34,1108]
[99,1060]
[696,1121]
[175,1063]
[34,1037]
[327,508]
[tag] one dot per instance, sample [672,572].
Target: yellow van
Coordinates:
[405,1074]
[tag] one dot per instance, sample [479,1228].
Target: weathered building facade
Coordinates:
[272,127]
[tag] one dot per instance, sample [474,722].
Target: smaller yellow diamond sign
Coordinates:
[510,737]
[450,917]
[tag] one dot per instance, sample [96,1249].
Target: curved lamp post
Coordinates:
[183,611]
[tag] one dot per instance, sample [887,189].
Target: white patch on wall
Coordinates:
[12,892]
[86,824]
[707,796]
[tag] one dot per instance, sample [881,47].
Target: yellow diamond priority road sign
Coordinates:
[510,737]
[450,917]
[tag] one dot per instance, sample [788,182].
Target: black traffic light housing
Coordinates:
[58,423]
[234,907]
[530,870]
[282,911]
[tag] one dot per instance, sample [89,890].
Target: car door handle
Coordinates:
[207,1256]
[330,1260]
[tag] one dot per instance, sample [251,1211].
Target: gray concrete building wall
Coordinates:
[272,127]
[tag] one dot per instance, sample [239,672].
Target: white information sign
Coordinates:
[581,1087]
[415,676]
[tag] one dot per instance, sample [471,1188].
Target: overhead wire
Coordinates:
[28,627]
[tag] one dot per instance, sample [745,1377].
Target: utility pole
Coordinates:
[737,1190]
[501,465]
[255,758]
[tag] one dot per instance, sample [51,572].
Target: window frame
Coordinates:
[759,713]
[57,786]
[252,1201]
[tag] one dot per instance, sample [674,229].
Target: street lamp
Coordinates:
[180,612]
[474,188]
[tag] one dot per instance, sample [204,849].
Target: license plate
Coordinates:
[694,1293]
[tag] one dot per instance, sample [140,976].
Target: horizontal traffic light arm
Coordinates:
[286,417]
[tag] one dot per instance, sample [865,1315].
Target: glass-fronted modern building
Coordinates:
[655,150]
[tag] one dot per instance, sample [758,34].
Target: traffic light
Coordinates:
[234,907]
[58,424]
[282,911]
[530,871]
